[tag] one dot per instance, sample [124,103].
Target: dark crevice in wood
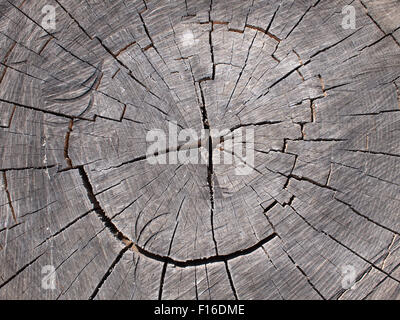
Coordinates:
[10,118]
[269,258]
[122,50]
[141,158]
[210,42]
[293,176]
[99,210]
[378,26]
[45,45]
[341,292]
[377,41]
[145,7]
[172,238]
[164,269]
[325,140]
[364,173]
[255,124]
[195,283]
[37,109]
[163,272]
[28,168]
[20,71]
[211,187]
[110,270]
[346,247]
[66,144]
[63,228]
[5,59]
[322,85]
[165,259]
[29,18]
[75,20]
[328,179]
[34,62]
[116,72]
[313,111]
[12,227]
[240,73]
[139,215]
[290,203]
[96,77]
[147,223]
[366,217]
[196,145]
[296,157]
[263,31]
[218,22]
[242,160]
[130,73]
[210,169]
[274,57]
[20,271]
[208,283]
[235,30]
[304,274]
[270,24]
[331,46]
[146,30]
[280,80]
[4,73]
[380,283]
[77,276]
[303,134]
[148,47]
[389,275]
[301,76]
[270,207]
[9,197]
[374,153]
[38,210]
[75,56]
[231,280]
[372,113]
[204,261]
[300,20]
[266,211]
[337,86]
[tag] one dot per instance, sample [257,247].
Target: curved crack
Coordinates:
[182,264]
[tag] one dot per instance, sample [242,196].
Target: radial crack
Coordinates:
[110,270]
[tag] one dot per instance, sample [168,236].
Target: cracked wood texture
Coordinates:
[76,192]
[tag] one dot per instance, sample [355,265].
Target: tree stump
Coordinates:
[85,215]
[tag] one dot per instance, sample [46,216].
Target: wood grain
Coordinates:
[76,190]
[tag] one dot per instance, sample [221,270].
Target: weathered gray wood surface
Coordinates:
[77,102]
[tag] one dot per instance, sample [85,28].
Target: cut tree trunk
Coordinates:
[316,217]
